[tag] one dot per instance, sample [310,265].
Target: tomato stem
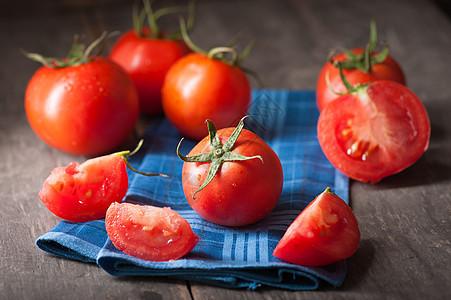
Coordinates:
[219,153]
[152,17]
[366,59]
[126,154]
[350,89]
[79,54]
[218,52]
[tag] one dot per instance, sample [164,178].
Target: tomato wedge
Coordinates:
[379,130]
[326,231]
[148,232]
[81,193]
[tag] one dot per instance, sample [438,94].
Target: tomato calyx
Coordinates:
[79,54]
[366,59]
[126,154]
[350,89]
[152,29]
[219,153]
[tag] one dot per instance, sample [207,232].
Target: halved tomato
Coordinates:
[377,131]
[149,232]
[326,231]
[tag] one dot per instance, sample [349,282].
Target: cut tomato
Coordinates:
[148,232]
[375,132]
[81,193]
[326,231]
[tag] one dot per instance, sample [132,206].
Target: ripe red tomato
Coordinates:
[241,192]
[149,232]
[197,88]
[81,193]
[147,61]
[389,69]
[375,132]
[326,231]
[87,109]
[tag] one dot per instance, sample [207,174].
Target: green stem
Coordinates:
[218,154]
[126,154]
[187,39]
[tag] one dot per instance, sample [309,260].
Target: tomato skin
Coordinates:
[197,88]
[326,231]
[389,69]
[88,109]
[147,61]
[242,192]
[82,193]
[148,232]
[376,133]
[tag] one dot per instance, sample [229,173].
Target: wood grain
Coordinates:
[405,219]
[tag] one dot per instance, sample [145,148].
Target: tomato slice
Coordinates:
[376,132]
[326,231]
[81,193]
[149,232]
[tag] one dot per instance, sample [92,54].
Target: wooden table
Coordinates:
[405,219]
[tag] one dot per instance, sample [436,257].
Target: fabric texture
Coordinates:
[230,257]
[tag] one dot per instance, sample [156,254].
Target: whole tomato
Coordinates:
[146,54]
[84,106]
[232,177]
[202,86]
[360,66]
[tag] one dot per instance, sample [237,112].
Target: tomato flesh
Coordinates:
[147,61]
[81,193]
[389,69]
[326,231]
[376,133]
[197,88]
[148,232]
[242,192]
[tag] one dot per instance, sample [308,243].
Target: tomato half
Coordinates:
[326,231]
[88,109]
[389,69]
[197,88]
[241,192]
[147,61]
[376,132]
[149,232]
[81,193]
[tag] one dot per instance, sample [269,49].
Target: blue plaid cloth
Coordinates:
[230,257]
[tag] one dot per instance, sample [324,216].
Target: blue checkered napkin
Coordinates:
[230,257]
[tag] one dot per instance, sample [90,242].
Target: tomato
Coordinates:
[149,232]
[81,193]
[197,88]
[360,66]
[375,132]
[85,109]
[389,69]
[326,231]
[147,61]
[242,191]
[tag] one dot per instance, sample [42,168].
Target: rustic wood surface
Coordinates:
[405,219]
